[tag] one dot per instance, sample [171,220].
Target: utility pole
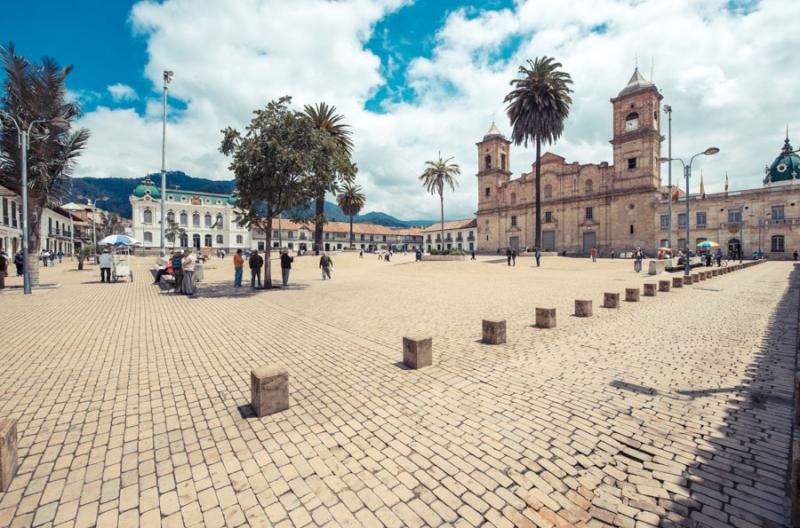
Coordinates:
[167,79]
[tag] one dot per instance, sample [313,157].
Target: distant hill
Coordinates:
[117,190]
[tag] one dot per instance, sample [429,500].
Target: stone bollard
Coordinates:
[650,289]
[715,273]
[546,317]
[687,279]
[701,275]
[8,452]
[269,390]
[610,300]
[677,282]
[583,308]
[632,294]
[417,352]
[663,285]
[494,332]
[695,278]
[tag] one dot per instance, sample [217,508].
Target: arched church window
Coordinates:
[487,162]
[196,219]
[148,216]
[631,121]
[184,218]
[589,186]
[548,191]
[208,220]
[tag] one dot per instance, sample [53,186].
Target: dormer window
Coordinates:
[631,122]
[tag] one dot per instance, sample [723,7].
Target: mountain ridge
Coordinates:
[117,190]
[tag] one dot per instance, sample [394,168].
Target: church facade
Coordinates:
[621,206]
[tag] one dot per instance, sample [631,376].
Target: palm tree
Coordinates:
[438,174]
[351,200]
[325,118]
[37,92]
[537,107]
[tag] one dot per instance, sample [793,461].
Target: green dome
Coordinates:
[232,200]
[786,166]
[147,187]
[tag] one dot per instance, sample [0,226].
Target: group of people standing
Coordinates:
[256,262]
[181,265]
[50,257]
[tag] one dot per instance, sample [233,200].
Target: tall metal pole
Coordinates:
[26,277]
[94,227]
[688,172]
[164,163]
[668,109]
[71,236]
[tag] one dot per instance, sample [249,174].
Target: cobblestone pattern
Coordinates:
[132,402]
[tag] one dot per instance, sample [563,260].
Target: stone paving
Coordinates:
[132,402]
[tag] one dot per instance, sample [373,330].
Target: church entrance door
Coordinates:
[514,243]
[549,240]
[589,241]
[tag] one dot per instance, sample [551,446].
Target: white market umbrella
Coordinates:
[118,240]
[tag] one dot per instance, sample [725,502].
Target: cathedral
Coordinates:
[621,206]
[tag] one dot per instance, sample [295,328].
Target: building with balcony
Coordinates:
[622,206]
[368,237]
[56,229]
[458,234]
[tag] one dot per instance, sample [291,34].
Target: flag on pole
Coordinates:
[676,194]
[726,181]
[702,187]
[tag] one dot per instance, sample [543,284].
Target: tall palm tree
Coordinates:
[351,200]
[37,92]
[325,118]
[437,174]
[537,107]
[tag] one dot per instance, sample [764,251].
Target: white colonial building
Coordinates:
[460,234]
[208,220]
[56,230]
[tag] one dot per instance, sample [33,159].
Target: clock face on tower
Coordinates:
[631,122]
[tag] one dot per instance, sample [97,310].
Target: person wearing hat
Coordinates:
[106,263]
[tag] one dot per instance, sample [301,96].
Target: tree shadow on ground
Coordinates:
[216,290]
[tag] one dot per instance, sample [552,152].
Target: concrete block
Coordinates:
[650,289]
[611,300]
[677,282]
[632,294]
[688,279]
[583,308]
[269,390]
[715,272]
[655,267]
[494,332]
[546,317]
[417,352]
[8,452]
[663,285]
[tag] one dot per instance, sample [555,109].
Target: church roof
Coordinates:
[637,83]
[493,131]
[786,166]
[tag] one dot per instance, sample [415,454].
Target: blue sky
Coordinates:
[415,78]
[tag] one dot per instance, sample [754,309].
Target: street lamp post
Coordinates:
[23,139]
[687,172]
[167,79]
[668,110]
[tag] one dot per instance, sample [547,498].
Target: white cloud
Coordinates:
[122,92]
[728,76]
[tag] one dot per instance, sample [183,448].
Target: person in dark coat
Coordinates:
[256,262]
[286,266]
[513,257]
[326,264]
[508,255]
[19,262]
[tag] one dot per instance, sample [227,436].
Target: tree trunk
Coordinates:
[441,203]
[33,267]
[319,220]
[34,240]
[538,235]
[352,245]
[267,253]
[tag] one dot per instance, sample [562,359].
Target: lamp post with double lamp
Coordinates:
[23,141]
[93,204]
[668,111]
[687,171]
[167,79]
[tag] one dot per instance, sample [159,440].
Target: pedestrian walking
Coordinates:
[52,258]
[637,260]
[45,256]
[594,254]
[473,254]
[418,255]
[238,268]
[255,268]
[177,270]
[19,262]
[613,254]
[286,267]
[187,265]
[508,255]
[513,257]
[719,257]
[361,254]
[326,264]
[795,254]
[106,263]
[60,256]
[538,256]
[3,269]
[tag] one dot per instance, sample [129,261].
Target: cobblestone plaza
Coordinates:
[133,403]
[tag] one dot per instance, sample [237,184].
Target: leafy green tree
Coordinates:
[273,162]
[439,173]
[351,201]
[537,107]
[332,169]
[37,92]
[174,231]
